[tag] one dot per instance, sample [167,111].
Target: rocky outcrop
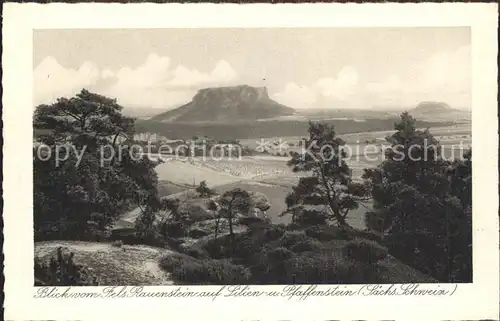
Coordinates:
[238,103]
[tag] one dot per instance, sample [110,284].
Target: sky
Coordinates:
[365,68]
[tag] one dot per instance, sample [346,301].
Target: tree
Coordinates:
[231,203]
[419,205]
[204,190]
[81,187]
[329,193]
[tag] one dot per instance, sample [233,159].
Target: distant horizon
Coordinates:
[377,108]
[302,68]
[394,108]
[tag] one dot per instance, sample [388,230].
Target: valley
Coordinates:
[201,211]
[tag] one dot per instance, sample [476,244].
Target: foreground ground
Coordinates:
[139,265]
[126,265]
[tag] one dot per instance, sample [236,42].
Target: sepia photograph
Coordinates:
[221,156]
[250,162]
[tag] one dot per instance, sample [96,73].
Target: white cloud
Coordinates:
[155,84]
[223,72]
[107,73]
[341,87]
[323,92]
[296,96]
[51,80]
[445,76]
[152,84]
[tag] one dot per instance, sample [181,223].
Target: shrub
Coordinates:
[365,251]
[251,242]
[268,266]
[311,217]
[306,246]
[328,233]
[62,271]
[197,252]
[117,243]
[197,233]
[215,272]
[252,221]
[203,190]
[273,232]
[173,229]
[93,234]
[279,254]
[323,268]
[195,212]
[368,234]
[172,260]
[291,238]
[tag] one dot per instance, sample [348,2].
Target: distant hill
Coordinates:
[238,103]
[432,107]
[433,110]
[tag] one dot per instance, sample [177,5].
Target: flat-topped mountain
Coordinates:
[227,104]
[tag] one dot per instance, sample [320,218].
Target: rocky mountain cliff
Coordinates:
[236,103]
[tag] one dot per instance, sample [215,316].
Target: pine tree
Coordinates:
[414,202]
[329,193]
[77,196]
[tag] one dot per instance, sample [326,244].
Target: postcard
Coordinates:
[250,162]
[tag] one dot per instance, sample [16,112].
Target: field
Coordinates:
[265,174]
[271,176]
[192,173]
[253,129]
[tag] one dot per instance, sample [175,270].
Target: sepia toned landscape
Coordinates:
[158,173]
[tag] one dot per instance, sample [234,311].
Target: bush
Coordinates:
[118,243]
[62,271]
[169,261]
[290,238]
[203,190]
[311,217]
[324,268]
[197,233]
[251,242]
[368,234]
[197,252]
[279,254]
[188,270]
[173,229]
[365,251]
[328,233]
[306,246]
[195,212]
[252,221]
[307,268]
[273,232]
